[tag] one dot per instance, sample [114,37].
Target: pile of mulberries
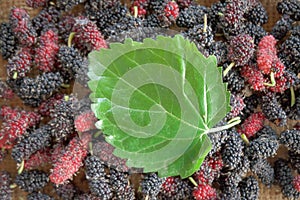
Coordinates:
[47,57]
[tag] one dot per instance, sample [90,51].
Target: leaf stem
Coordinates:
[293,100]
[233,122]
[71,36]
[135,11]
[228,69]
[205,23]
[245,139]
[21,167]
[15,76]
[193,181]
[273,82]
[12,186]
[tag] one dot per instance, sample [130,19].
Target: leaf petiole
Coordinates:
[231,123]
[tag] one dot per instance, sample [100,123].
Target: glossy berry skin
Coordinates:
[204,192]
[241,49]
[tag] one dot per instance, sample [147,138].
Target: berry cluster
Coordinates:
[48,53]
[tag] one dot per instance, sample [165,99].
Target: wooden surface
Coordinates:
[8,164]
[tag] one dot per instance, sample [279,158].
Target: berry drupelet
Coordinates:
[217,139]
[119,182]
[8,42]
[237,105]
[176,188]
[85,121]
[5,91]
[214,15]
[254,76]
[33,180]
[291,139]
[263,170]
[20,64]
[249,188]
[65,26]
[30,143]
[201,35]
[289,7]
[38,159]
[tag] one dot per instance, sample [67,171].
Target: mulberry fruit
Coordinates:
[8,42]
[151,185]
[30,143]
[249,188]
[289,7]
[291,139]
[241,49]
[282,27]
[5,181]
[252,124]
[263,170]
[20,64]
[70,160]
[33,180]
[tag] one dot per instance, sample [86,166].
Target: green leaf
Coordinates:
[156,101]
